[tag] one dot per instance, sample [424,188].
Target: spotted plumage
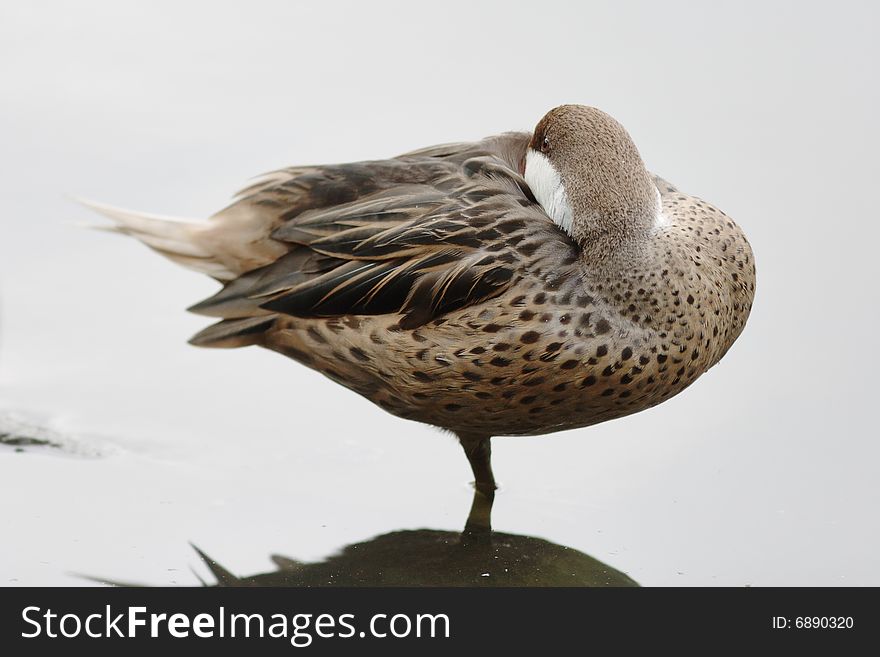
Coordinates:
[437,285]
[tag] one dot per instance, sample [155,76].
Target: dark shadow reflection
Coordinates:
[477,556]
[428,557]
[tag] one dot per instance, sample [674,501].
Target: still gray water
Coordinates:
[762,473]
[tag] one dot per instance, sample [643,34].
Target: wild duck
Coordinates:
[519,285]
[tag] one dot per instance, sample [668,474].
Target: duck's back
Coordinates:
[412,238]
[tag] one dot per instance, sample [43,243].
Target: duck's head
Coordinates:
[587,174]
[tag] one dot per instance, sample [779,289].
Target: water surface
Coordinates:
[123,445]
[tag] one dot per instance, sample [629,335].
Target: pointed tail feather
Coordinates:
[180,240]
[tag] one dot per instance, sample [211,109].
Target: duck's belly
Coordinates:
[521,372]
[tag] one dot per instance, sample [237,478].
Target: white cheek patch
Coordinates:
[660,220]
[547,187]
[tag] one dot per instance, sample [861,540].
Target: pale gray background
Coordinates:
[764,472]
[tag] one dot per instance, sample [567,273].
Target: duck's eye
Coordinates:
[545,145]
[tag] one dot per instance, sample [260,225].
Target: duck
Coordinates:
[520,285]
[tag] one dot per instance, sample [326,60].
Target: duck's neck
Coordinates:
[617,237]
[605,209]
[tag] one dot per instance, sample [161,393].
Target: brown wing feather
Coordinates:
[420,235]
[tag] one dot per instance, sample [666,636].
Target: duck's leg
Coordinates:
[478,449]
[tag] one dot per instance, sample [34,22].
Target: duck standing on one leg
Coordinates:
[519,285]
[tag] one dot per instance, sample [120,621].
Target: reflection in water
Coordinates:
[428,557]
